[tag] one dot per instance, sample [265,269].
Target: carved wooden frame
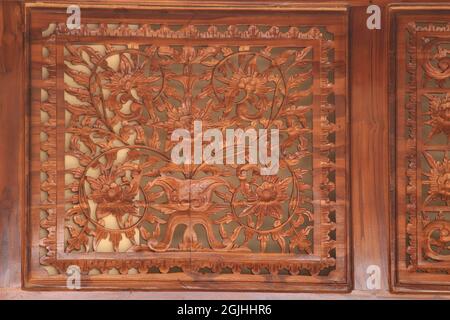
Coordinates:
[411,232]
[338,280]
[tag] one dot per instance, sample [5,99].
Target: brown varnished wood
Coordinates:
[370,114]
[12,148]
[421,137]
[369,126]
[198,295]
[246,205]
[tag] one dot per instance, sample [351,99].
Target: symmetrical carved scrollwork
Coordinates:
[437,65]
[426,128]
[127,105]
[437,240]
[109,189]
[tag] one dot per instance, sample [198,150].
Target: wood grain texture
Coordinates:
[419,42]
[12,147]
[369,140]
[370,114]
[177,70]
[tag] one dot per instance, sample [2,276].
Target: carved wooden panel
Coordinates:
[422,221]
[105,194]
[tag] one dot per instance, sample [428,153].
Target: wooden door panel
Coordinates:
[104,193]
[422,168]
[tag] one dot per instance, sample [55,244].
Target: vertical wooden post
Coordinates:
[12,143]
[369,144]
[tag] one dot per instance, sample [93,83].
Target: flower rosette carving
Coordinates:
[436,231]
[116,197]
[257,85]
[250,84]
[270,210]
[425,199]
[124,94]
[134,99]
[112,201]
[438,179]
[439,115]
[266,89]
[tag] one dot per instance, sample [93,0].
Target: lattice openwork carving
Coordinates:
[423,167]
[105,191]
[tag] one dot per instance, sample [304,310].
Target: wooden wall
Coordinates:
[370,152]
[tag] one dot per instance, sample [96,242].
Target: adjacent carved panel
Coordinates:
[106,195]
[423,167]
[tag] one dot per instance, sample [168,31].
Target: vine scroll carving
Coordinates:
[106,196]
[423,167]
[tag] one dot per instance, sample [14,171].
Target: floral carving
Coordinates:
[247,87]
[113,197]
[270,196]
[439,115]
[130,76]
[122,103]
[425,199]
[438,179]
[129,102]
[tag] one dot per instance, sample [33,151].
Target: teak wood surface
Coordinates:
[372,147]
